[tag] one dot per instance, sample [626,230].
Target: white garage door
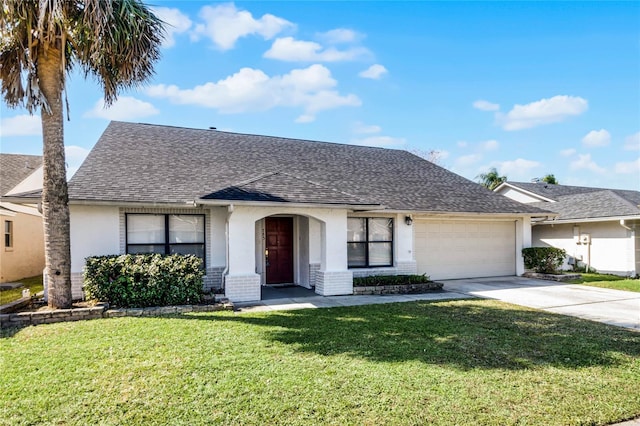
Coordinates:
[464,249]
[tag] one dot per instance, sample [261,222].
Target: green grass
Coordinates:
[453,362]
[34,284]
[609,281]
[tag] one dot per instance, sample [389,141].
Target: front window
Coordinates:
[8,234]
[166,234]
[369,242]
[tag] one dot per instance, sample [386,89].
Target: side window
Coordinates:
[8,234]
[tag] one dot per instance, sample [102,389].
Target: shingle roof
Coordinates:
[14,168]
[162,164]
[580,202]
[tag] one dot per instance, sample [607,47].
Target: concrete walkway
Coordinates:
[620,308]
[304,299]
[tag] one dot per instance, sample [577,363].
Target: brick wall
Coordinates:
[213,279]
[334,283]
[401,268]
[242,288]
[313,271]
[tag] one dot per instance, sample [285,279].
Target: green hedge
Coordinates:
[140,280]
[546,260]
[379,280]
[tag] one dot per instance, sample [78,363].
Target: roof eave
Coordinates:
[588,219]
[467,214]
[359,207]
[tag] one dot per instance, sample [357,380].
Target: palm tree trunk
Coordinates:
[55,196]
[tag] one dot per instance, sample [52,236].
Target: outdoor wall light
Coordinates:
[408,220]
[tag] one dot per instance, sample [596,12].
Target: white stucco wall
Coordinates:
[95,231]
[612,248]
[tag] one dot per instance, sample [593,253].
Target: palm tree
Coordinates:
[550,178]
[116,41]
[491,179]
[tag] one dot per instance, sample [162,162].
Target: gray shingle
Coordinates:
[151,163]
[595,204]
[14,168]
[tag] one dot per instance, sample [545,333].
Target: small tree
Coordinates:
[550,178]
[491,180]
[546,260]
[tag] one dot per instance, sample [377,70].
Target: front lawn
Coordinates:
[34,284]
[442,363]
[609,281]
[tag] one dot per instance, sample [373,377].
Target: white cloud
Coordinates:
[467,160]
[74,156]
[483,105]
[361,128]
[340,35]
[632,142]
[292,50]
[311,89]
[584,162]
[544,111]
[518,168]
[177,23]
[374,72]
[490,145]
[225,24]
[21,125]
[379,141]
[597,138]
[125,108]
[568,152]
[462,144]
[627,168]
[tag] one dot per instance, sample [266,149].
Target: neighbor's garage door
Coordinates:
[465,249]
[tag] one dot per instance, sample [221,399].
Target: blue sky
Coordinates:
[528,88]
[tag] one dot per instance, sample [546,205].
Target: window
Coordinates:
[166,234]
[369,242]
[8,234]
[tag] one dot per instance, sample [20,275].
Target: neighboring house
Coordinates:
[265,210]
[22,248]
[597,227]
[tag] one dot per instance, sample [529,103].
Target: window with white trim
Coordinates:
[369,242]
[165,234]
[8,233]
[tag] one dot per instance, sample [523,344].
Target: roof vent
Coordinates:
[212,128]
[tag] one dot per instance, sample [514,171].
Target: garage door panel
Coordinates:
[458,249]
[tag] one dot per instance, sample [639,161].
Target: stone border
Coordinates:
[552,277]
[397,289]
[23,319]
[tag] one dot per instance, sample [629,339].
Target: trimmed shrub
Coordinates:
[546,260]
[141,280]
[379,280]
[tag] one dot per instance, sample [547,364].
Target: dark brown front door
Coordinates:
[279,249]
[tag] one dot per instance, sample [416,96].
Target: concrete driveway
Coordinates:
[621,308]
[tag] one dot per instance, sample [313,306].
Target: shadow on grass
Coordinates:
[469,334]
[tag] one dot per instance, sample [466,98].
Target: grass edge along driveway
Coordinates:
[448,362]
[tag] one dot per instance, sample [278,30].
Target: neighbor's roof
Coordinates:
[14,168]
[162,164]
[581,202]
